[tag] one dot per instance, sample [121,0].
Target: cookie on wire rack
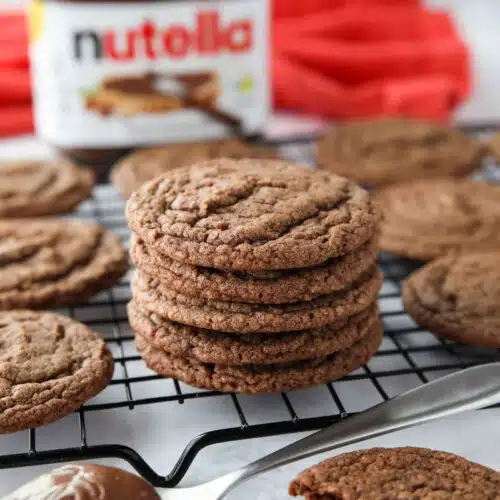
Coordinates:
[241,317]
[39,188]
[428,218]
[49,366]
[143,165]
[254,275]
[251,215]
[229,348]
[388,151]
[48,263]
[457,297]
[256,378]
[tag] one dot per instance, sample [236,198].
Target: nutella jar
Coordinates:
[109,76]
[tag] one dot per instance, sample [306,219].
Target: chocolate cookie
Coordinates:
[458,296]
[397,473]
[143,165]
[388,151]
[240,317]
[251,215]
[427,219]
[85,482]
[209,346]
[49,366]
[261,378]
[54,263]
[265,287]
[32,188]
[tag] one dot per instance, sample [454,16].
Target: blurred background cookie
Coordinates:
[494,147]
[146,164]
[387,151]
[34,188]
[428,218]
[457,296]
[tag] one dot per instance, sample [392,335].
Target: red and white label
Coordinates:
[81,45]
[152,41]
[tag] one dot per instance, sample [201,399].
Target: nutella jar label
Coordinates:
[134,73]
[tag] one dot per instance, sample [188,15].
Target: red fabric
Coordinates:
[299,8]
[14,86]
[13,55]
[16,120]
[365,24]
[425,96]
[368,58]
[13,28]
[360,62]
[16,114]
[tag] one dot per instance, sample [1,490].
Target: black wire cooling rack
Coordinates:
[408,355]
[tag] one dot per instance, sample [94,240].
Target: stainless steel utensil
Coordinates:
[468,389]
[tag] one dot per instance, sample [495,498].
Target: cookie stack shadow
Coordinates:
[254,276]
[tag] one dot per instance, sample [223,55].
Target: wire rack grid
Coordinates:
[187,419]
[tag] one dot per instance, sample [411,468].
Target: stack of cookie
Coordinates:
[254,275]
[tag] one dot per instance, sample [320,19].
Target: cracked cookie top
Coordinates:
[397,473]
[49,366]
[457,296]
[251,215]
[54,263]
